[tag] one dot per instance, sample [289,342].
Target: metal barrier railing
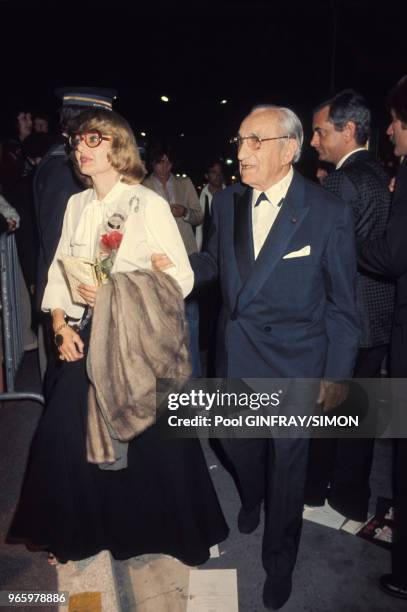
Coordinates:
[13,348]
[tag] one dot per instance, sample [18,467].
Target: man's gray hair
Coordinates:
[289,122]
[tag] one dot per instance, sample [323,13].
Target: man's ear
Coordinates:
[289,150]
[349,131]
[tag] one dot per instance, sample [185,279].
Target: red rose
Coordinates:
[112,240]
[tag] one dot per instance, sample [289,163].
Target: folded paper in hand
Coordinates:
[80,271]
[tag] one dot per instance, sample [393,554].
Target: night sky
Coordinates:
[245,52]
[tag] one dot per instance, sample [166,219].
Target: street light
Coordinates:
[223,101]
[164,99]
[143,134]
[228,161]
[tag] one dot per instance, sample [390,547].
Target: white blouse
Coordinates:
[150,228]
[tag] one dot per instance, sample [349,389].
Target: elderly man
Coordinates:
[341,128]
[283,249]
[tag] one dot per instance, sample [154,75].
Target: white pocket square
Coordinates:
[304,252]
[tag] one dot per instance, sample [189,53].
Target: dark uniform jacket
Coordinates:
[363,185]
[54,183]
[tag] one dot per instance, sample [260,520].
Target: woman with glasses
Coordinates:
[164,500]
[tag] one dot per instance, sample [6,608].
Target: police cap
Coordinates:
[96,97]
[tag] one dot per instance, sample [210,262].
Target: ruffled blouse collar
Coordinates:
[118,188]
[94,215]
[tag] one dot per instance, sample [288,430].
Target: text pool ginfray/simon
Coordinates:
[257,420]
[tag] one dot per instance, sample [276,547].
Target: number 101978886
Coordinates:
[33,598]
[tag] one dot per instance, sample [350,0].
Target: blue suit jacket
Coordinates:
[292,317]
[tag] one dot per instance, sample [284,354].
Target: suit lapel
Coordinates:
[357,156]
[294,210]
[243,234]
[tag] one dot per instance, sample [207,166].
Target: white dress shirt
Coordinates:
[168,191]
[150,228]
[264,215]
[345,157]
[199,228]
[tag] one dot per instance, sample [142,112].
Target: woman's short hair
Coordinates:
[124,154]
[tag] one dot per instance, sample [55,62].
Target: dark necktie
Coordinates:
[262,197]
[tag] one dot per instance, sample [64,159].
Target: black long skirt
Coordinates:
[163,502]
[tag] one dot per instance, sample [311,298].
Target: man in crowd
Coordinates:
[184,203]
[55,182]
[178,191]
[283,249]
[41,123]
[214,176]
[388,257]
[341,128]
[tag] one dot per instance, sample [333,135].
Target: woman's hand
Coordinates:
[160,262]
[72,346]
[88,293]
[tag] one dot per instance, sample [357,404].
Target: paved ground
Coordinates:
[336,572]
